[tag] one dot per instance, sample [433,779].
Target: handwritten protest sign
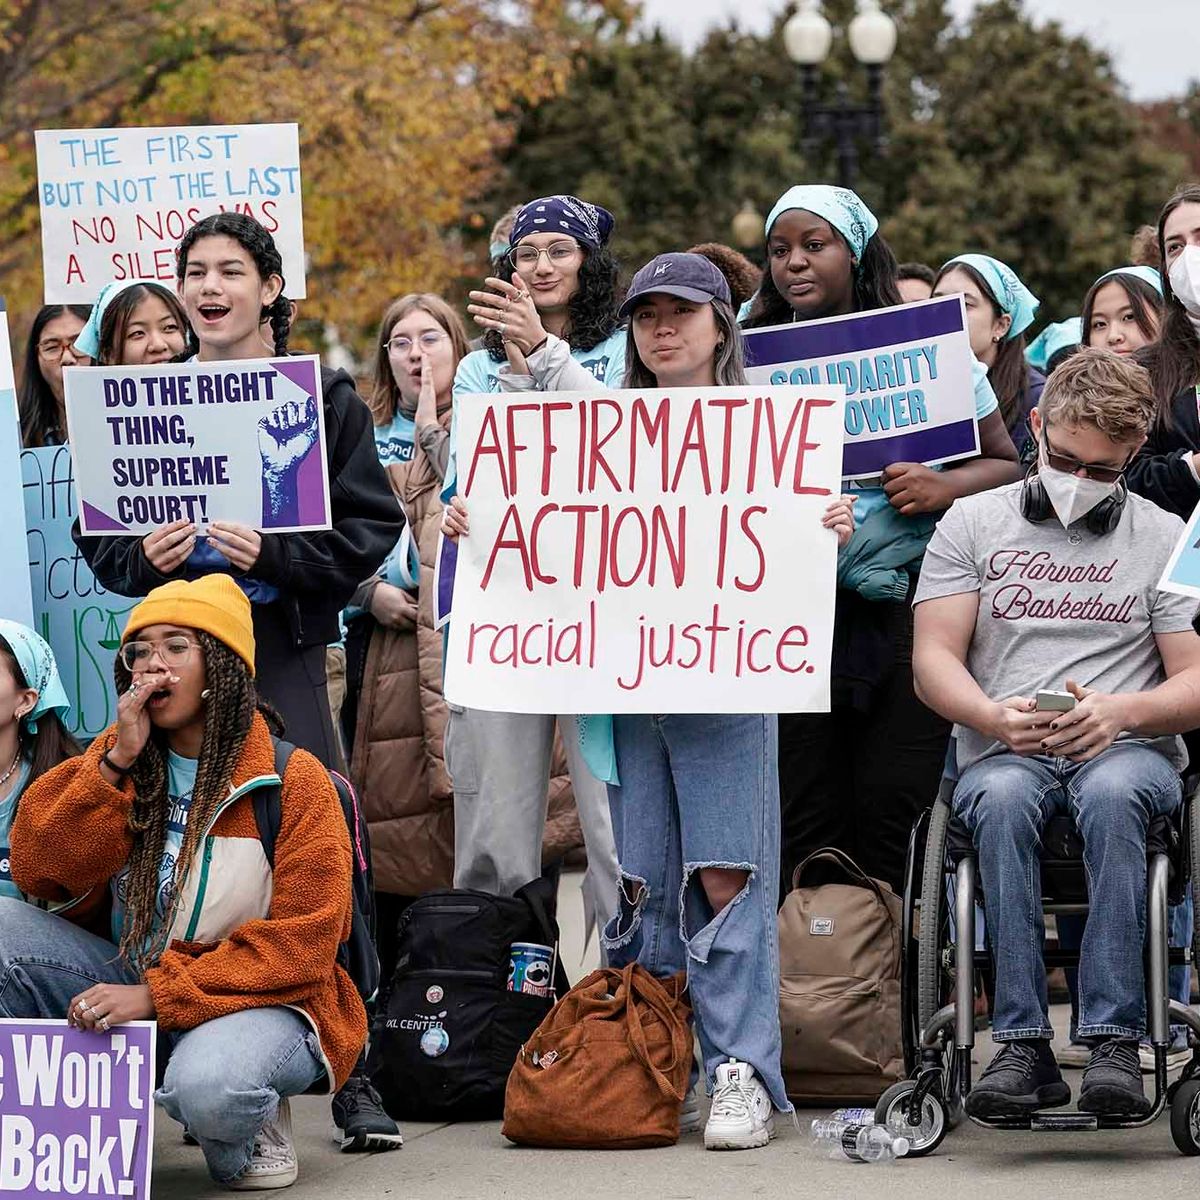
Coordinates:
[646,551]
[76,1110]
[905,373]
[71,610]
[235,441]
[15,600]
[115,202]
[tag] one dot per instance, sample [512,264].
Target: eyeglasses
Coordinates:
[559,254]
[431,339]
[174,652]
[52,349]
[1100,472]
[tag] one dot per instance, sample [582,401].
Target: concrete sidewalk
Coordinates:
[473,1162]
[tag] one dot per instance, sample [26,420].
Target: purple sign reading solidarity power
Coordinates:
[76,1110]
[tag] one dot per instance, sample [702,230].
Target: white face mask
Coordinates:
[1073,496]
[1185,280]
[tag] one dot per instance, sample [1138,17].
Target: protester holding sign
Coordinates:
[999,310]
[562,301]
[156,822]
[33,738]
[229,279]
[135,324]
[825,258]
[1168,469]
[41,401]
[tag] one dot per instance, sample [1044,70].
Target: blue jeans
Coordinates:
[1004,801]
[224,1079]
[695,792]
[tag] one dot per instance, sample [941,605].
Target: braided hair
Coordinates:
[231,705]
[260,245]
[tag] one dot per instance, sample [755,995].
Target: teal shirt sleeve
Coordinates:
[614,373]
[985,398]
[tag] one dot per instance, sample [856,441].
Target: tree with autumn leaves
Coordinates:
[403,107]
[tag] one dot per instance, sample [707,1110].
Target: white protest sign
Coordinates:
[646,551]
[115,202]
[230,441]
[16,598]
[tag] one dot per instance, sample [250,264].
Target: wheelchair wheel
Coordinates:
[931,980]
[935,1121]
[1185,1117]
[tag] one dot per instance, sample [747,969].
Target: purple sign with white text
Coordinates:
[76,1110]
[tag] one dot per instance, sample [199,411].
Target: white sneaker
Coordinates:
[741,1114]
[273,1161]
[689,1114]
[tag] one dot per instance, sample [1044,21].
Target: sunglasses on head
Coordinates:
[1100,472]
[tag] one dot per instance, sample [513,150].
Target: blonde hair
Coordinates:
[385,392]
[1097,387]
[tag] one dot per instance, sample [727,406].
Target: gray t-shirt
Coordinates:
[1057,604]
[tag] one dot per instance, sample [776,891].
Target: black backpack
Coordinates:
[448,1030]
[357,954]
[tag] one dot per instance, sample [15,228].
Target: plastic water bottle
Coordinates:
[853,1116]
[859,1142]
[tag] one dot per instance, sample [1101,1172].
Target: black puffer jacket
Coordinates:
[315,573]
[1162,471]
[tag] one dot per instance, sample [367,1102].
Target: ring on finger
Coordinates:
[83,1006]
[503,329]
[104,1024]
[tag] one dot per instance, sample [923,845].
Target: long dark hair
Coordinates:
[35,401]
[591,311]
[729,361]
[1174,360]
[260,245]
[1144,300]
[1009,373]
[230,707]
[120,312]
[874,287]
[52,743]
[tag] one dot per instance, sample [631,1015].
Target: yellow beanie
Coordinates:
[213,603]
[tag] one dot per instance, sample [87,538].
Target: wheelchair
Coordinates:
[939,963]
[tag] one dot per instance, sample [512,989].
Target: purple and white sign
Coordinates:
[906,373]
[443,580]
[230,441]
[76,1110]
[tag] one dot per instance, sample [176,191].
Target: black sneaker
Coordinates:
[360,1118]
[1112,1081]
[1022,1078]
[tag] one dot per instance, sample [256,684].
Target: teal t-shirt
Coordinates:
[8,811]
[181,780]
[396,441]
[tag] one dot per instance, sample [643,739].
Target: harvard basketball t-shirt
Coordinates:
[1057,604]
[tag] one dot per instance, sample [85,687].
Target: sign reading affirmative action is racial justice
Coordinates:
[905,373]
[644,551]
[115,202]
[76,1110]
[231,441]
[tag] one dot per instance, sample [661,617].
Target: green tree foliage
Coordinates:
[1004,136]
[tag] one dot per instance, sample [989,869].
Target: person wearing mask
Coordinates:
[33,738]
[1000,308]
[559,303]
[41,402]
[1122,310]
[914,281]
[236,960]
[134,324]
[825,258]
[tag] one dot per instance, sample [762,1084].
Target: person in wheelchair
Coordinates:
[1038,585]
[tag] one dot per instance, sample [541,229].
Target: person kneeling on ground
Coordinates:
[1048,582]
[155,822]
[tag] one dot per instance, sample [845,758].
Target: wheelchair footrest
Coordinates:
[1067,1122]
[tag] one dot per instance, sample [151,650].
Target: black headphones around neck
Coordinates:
[1104,518]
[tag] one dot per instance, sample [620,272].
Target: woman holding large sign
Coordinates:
[154,828]
[826,258]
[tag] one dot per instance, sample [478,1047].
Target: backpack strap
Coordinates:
[549,930]
[831,854]
[268,803]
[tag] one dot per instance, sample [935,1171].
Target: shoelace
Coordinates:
[1024,1055]
[364,1094]
[1118,1054]
[730,1100]
[272,1146]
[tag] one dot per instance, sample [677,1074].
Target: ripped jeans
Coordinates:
[703,791]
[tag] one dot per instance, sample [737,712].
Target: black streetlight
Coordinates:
[807,37]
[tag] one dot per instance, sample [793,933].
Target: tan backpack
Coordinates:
[839,988]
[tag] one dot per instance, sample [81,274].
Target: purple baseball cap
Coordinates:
[688,276]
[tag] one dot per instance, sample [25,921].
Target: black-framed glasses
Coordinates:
[1100,472]
[431,339]
[559,254]
[174,652]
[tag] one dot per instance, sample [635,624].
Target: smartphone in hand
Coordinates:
[1055,701]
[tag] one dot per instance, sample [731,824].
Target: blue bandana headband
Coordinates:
[587,223]
[1145,274]
[841,207]
[1052,339]
[88,341]
[1011,294]
[36,661]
